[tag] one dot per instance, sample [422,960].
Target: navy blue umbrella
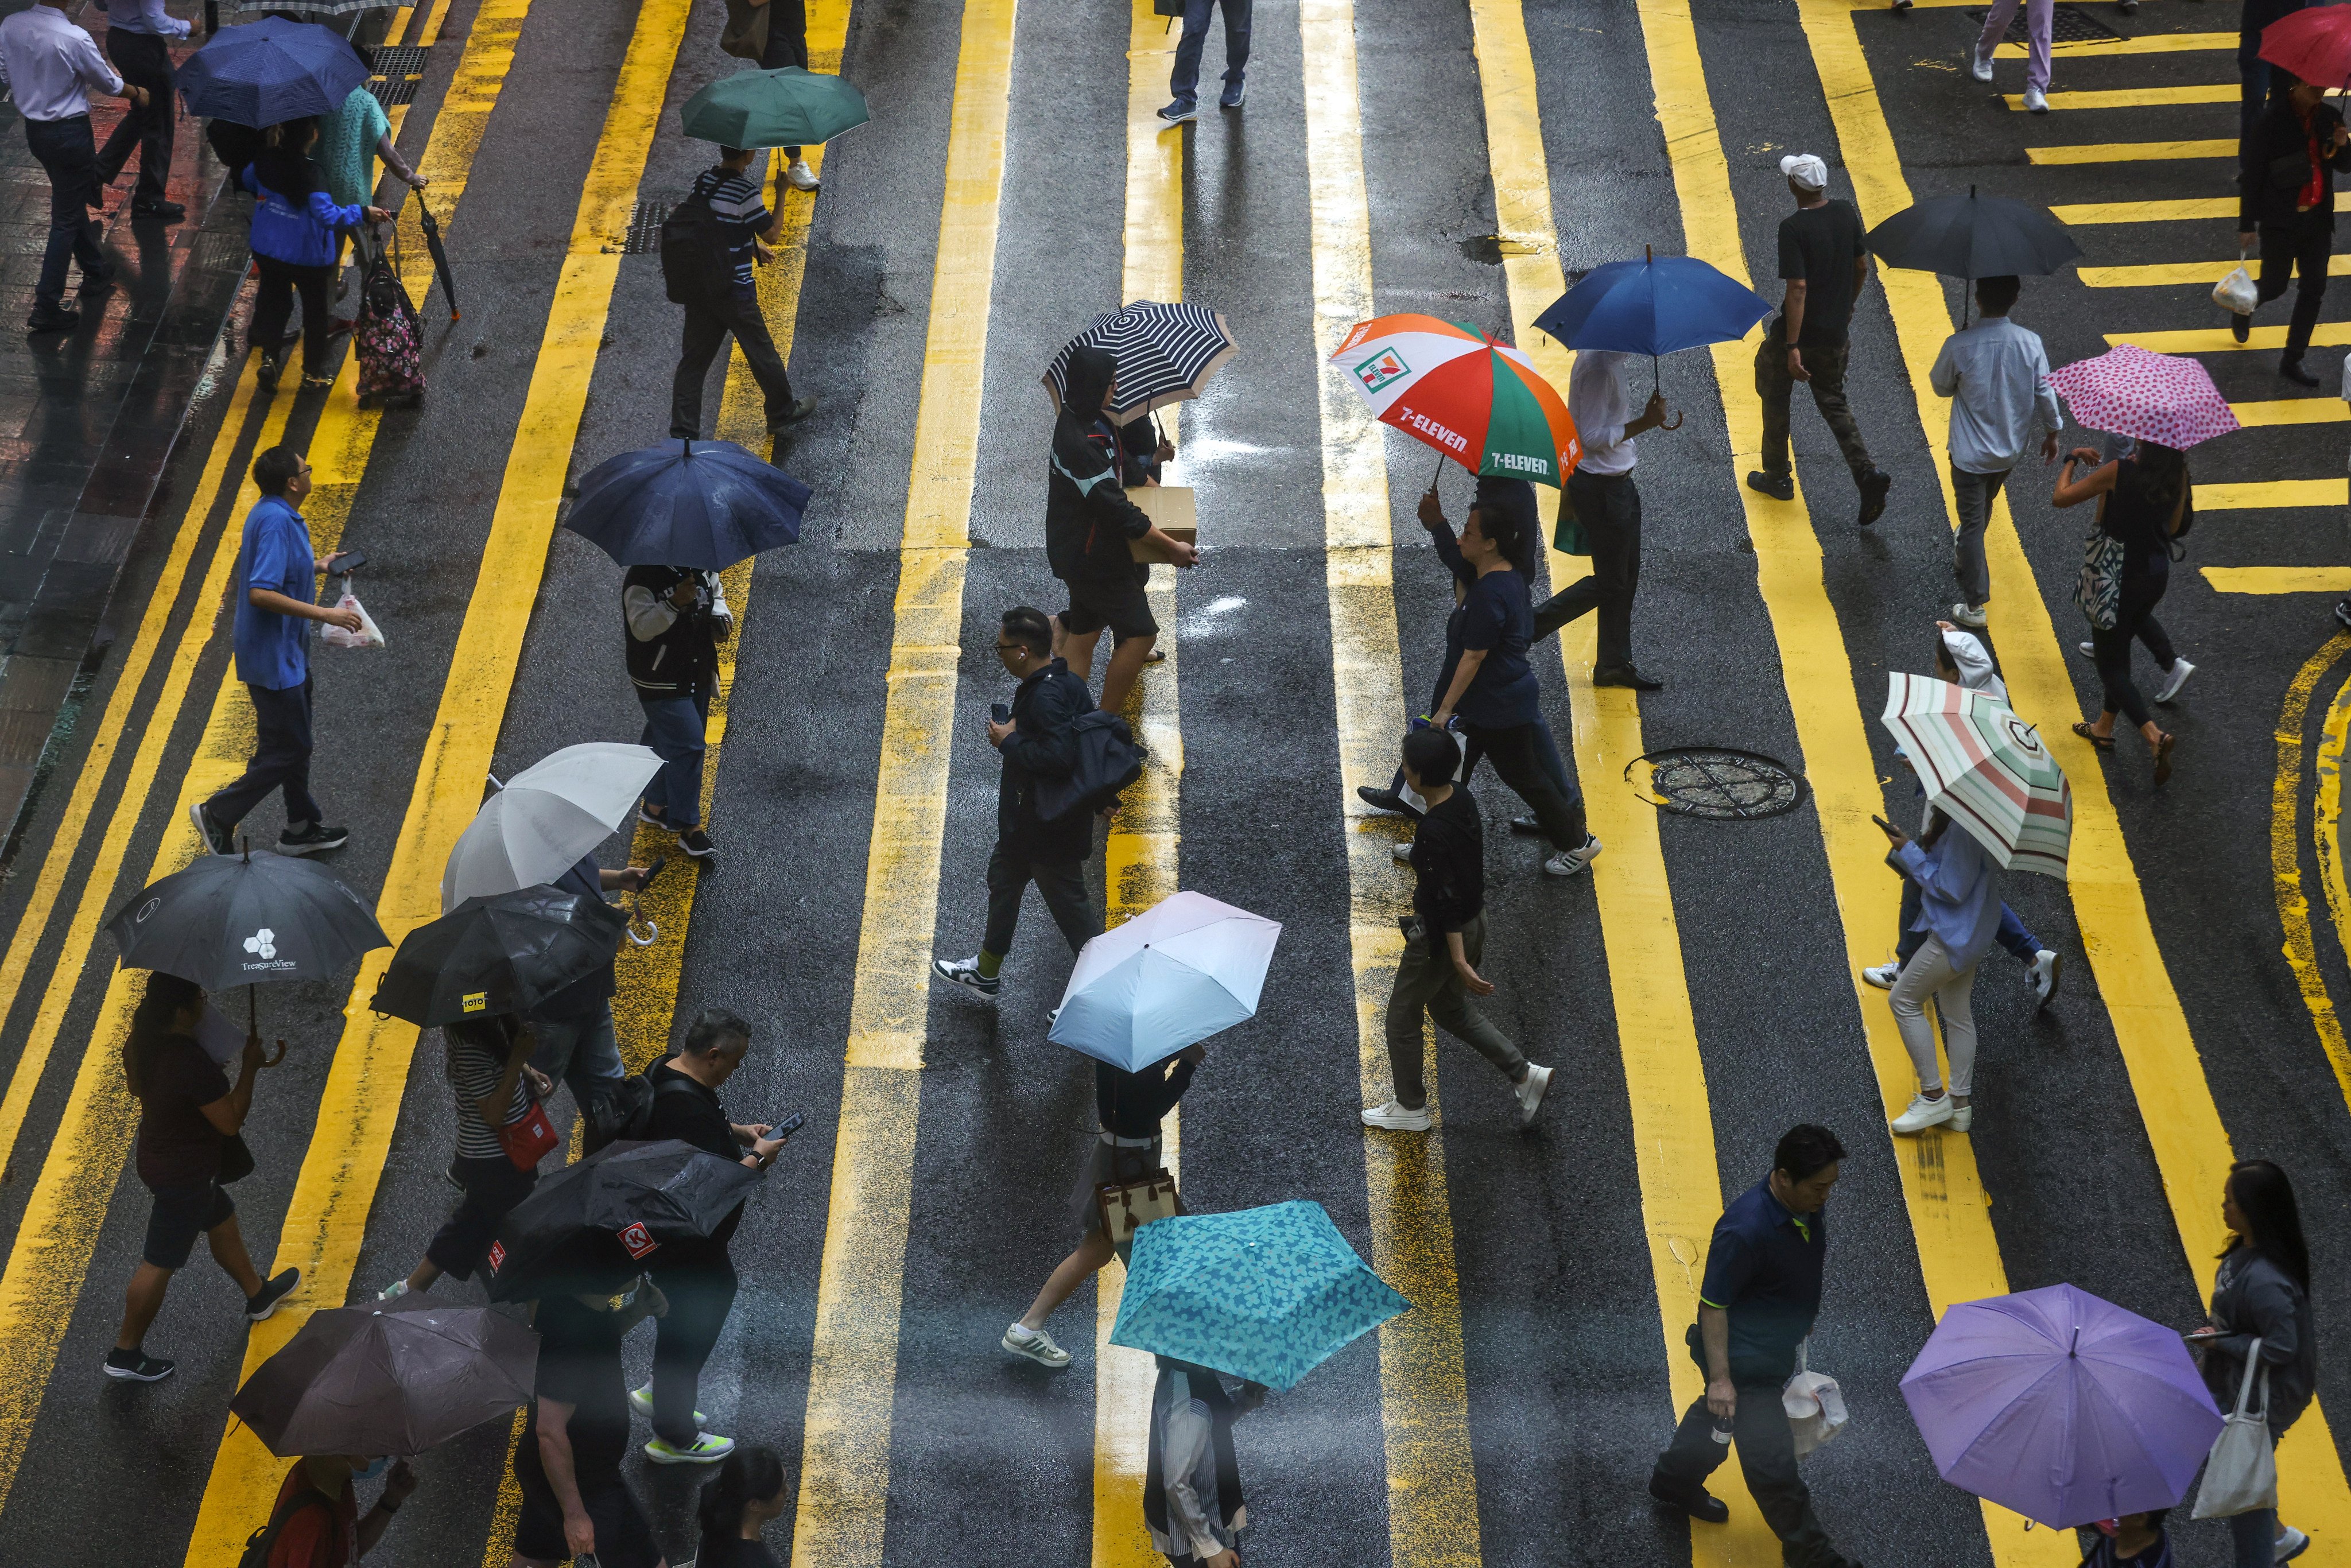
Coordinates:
[1654,306]
[268,72]
[699,504]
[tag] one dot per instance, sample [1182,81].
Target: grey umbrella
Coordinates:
[388,1380]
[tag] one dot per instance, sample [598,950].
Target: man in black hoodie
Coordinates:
[2286,196]
[1088,522]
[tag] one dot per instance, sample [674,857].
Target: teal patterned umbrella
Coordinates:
[1268,1294]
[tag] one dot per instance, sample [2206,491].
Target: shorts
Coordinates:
[181,1213]
[1117,602]
[624,1538]
[1105,1164]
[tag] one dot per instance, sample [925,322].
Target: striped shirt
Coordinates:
[474,1073]
[742,208]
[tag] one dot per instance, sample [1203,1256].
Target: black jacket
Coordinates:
[2253,1298]
[1133,1104]
[671,653]
[1088,519]
[1449,862]
[2274,166]
[1042,746]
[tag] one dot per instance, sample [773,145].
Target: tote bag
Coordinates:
[2240,1475]
[2098,589]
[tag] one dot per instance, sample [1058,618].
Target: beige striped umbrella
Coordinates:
[1985,769]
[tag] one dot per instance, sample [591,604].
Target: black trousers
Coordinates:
[1518,754]
[2305,248]
[281,759]
[706,326]
[1767,1458]
[1609,507]
[143,60]
[67,155]
[1063,884]
[2134,620]
[272,307]
[787,42]
[699,1300]
[493,1186]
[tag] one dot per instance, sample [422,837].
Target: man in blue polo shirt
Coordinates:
[1756,1305]
[275,587]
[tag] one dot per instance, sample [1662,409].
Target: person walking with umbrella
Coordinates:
[2144,501]
[676,617]
[720,296]
[1996,374]
[1608,505]
[2285,183]
[2262,1294]
[1761,1290]
[1959,905]
[50,67]
[298,241]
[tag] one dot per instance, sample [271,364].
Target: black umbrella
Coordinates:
[505,953]
[700,503]
[440,255]
[392,1380]
[1974,236]
[593,1226]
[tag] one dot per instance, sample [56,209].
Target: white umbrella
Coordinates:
[546,818]
[1178,972]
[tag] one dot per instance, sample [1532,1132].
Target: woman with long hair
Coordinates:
[2144,501]
[736,1504]
[188,1119]
[497,1091]
[297,236]
[2263,1293]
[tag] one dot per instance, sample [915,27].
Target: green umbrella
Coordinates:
[786,108]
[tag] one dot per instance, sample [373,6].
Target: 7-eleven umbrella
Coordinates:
[1985,769]
[1474,397]
[2128,391]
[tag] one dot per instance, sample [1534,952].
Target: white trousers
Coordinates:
[1929,974]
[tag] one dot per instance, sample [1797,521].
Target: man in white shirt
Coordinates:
[138,35]
[49,66]
[1997,376]
[1609,507]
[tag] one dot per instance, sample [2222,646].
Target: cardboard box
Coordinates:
[1171,511]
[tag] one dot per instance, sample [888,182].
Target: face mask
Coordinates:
[372,1468]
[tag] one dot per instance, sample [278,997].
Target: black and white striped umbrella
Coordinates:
[1165,353]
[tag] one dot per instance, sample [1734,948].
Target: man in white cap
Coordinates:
[1824,264]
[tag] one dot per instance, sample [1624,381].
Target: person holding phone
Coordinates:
[1958,908]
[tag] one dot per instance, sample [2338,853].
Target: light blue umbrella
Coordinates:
[1178,972]
[1268,1294]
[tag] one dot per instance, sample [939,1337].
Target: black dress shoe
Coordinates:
[1873,486]
[2290,369]
[1699,1505]
[1627,675]
[98,287]
[158,212]
[1781,486]
[2240,326]
[1381,799]
[53,318]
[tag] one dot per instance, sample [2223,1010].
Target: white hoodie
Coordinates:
[1976,673]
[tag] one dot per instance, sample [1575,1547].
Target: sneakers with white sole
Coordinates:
[2088,650]
[1963,1117]
[257,1308]
[1573,862]
[964,972]
[1980,66]
[1530,1094]
[799,176]
[2046,966]
[1882,975]
[138,1366]
[1924,1113]
[2290,1543]
[1036,1344]
[1396,1119]
[640,1400]
[1971,616]
[2174,678]
[2035,101]
[707,1448]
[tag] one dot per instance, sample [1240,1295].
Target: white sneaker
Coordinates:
[2290,1543]
[2174,679]
[799,176]
[2046,967]
[2036,100]
[1963,1117]
[1036,1344]
[640,1400]
[2088,650]
[1982,68]
[1403,852]
[1396,1119]
[1882,975]
[707,1448]
[1970,616]
[1924,1113]
[1530,1094]
[392,1292]
[1573,863]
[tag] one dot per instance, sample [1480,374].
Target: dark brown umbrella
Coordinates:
[392,1380]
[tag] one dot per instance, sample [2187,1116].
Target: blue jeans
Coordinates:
[1184,83]
[2254,1535]
[2012,935]
[582,1050]
[673,728]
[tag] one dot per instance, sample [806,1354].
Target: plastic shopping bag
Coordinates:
[367,636]
[1407,792]
[1814,1404]
[2236,292]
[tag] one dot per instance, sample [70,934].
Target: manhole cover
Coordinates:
[644,228]
[2069,25]
[1715,781]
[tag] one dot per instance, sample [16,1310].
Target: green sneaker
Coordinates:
[707,1448]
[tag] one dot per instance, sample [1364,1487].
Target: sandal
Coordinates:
[2102,742]
[2163,761]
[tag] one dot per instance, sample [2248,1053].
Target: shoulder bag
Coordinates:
[530,1140]
[2241,1474]
[2098,589]
[745,34]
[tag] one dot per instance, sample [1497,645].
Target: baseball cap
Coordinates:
[1806,170]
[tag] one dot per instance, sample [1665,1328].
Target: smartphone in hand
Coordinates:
[1000,712]
[349,560]
[786,1129]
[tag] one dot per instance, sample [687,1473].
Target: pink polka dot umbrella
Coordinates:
[2162,397]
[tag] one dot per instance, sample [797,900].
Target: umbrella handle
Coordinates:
[268,1060]
[653,931]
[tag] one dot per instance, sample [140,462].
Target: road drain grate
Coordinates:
[644,228]
[2070,25]
[1715,781]
[398,72]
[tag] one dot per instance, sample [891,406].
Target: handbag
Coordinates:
[745,34]
[1127,1207]
[1567,534]
[530,1140]
[1815,1405]
[2241,1473]
[2098,590]
[235,1159]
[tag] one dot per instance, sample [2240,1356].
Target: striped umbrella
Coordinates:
[1985,769]
[1166,354]
[1475,398]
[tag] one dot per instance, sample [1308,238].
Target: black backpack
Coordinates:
[1109,759]
[696,261]
[626,1112]
[258,1544]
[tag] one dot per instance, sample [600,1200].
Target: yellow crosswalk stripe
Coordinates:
[1432,1497]
[2279,578]
[2220,340]
[2153,44]
[2292,410]
[2191,1147]
[2130,151]
[2153,274]
[2261,493]
[2080,213]
[2134,97]
[853,1365]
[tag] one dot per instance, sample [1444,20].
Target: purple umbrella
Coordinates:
[2061,1406]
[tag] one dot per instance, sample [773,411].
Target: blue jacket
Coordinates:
[301,235]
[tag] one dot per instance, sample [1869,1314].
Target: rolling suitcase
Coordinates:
[386,338]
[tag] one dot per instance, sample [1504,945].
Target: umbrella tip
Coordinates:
[1648,255]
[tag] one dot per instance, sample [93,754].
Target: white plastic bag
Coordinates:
[1814,1404]
[367,636]
[1412,797]
[2240,1475]
[2236,293]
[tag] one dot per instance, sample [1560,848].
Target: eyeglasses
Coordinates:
[1012,648]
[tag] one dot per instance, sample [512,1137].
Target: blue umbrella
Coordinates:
[1268,1294]
[1654,306]
[270,71]
[699,504]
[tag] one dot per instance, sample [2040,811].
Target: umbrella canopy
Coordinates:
[1182,970]
[2314,44]
[1985,769]
[1974,236]
[786,108]
[393,1380]
[267,72]
[1268,1294]
[546,818]
[1473,398]
[2061,1406]
[1654,306]
[591,1225]
[244,920]
[700,503]
[504,953]
[2164,398]
[1166,354]
[313,7]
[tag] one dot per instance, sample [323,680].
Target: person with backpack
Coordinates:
[2145,502]
[1037,737]
[675,618]
[709,243]
[316,1521]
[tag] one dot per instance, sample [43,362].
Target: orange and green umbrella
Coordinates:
[1473,398]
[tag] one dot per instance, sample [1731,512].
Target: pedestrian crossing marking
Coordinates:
[2265,493]
[2278,579]
[2129,152]
[2133,98]
[2156,274]
[2220,340]
[2182,1122]
[2081,212]
[2153,44]
[2292,410]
